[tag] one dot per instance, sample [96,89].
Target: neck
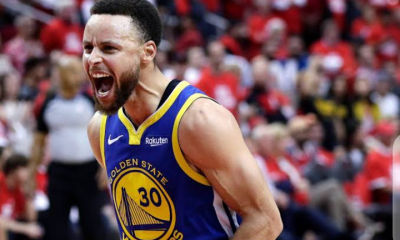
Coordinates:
[330,42]
[147,95]
[68,93]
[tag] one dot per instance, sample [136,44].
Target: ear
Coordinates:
[148,52]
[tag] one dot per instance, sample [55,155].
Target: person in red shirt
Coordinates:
[393,27]
[378,173]
[268,101]
[327,196]
[368,28]
[291,12]
[190,37]
[259,26]
[218,83]
[13,203]
[24,45]
[337,55]
[63,33]
[378,163]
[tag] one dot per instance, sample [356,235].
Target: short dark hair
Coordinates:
[33,62]
[144,15]
[14,162]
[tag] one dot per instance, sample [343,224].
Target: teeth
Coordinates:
[103,94]
[100,75]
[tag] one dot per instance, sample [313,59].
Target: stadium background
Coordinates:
[319,77]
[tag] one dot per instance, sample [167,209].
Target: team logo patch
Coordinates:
[144,208]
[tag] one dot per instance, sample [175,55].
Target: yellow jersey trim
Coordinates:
[102,138]
[135,136]
[175,143]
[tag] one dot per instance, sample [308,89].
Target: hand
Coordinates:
[101,177]
[32,230]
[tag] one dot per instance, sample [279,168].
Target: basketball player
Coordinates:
[176,160]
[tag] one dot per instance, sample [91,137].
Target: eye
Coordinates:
[88,48]
[109,48]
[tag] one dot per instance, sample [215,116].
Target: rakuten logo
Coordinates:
[156,141]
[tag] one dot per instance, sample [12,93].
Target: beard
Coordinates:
[128,82]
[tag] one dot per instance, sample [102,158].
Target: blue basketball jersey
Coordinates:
[156,194]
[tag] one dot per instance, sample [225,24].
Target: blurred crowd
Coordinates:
[313,84]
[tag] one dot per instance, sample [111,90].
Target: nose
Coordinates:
[94,57]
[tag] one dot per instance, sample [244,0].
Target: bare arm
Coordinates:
[211,140]
[93,131]
[32,230]
[30,211]
[94,136]
[3,235]
[38,148]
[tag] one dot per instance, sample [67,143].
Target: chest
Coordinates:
[76,112]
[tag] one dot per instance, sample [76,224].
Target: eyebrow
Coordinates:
[108,42]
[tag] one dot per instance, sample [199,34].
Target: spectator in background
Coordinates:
[75,178]
[236,39]
[275,46]
[258,24]
[243,67]
[24,45]
[379,162]
[316,163]
[217,82]
[6,65]
[392,27]
[17,115]
[312,94]
[388,102]
[287,59]
[333,110]
[368,28]
[64,33]
[378,173]
[289,188]
[268,101]
[290,12]
[368,64]
[363,108]
[298,52]
[196,64]
[325,194]
[14,204]
[35,74]
[337,55]
[189,37]
[348,96]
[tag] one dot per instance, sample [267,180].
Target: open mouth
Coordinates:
[104,83]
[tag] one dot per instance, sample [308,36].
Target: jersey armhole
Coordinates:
[182,162]
[102,139]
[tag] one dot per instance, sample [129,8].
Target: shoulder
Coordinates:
[94,125]
[205,114]
[205,130]
[42,101]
